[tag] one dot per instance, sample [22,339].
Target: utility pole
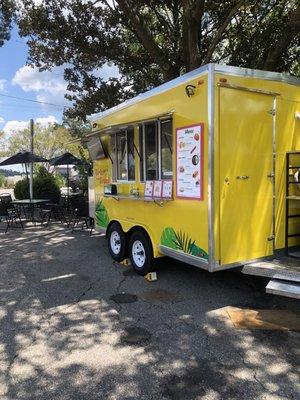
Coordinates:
[31,164]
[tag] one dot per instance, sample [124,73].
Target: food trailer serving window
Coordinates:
[123,155]
[95,148]
[156,148]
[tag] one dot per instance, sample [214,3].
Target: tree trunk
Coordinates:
[192,16]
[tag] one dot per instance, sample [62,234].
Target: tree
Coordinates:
[2,152]
[7,10]
[153,41]
[49,142]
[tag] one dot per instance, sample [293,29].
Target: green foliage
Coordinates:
[6,15]
[2,180]
[21,190]
[84,171]
[49,141]
[101,215]
[182,242]
[44,186]
[60,180]
[153,41]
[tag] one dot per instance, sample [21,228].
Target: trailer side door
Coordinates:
[246,167]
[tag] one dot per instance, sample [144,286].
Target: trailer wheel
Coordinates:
[141,253]
[117,243]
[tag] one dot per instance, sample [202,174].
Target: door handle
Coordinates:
[243,177]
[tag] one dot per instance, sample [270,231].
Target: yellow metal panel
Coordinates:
[245,162]
[287,138]
[235,114]
[184,217]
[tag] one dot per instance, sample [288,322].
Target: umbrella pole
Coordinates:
[31,181]
[27,177]
[31,164]
[68,182]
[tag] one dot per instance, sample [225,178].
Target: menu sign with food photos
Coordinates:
[189,162]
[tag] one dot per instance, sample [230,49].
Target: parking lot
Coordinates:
[76,325]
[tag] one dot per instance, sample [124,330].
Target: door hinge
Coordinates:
[271,175]
[272,111]
[270,238]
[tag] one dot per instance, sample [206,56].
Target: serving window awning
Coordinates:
[109,130]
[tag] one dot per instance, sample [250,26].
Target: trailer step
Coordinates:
[295,254]
[284,288]
[273,270]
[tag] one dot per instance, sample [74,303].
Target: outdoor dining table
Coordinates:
[31,204]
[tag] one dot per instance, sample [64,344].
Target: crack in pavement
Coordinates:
[254,372]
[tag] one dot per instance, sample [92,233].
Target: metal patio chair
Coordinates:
[80,213]
[9,213]
[4,216]
[54,210]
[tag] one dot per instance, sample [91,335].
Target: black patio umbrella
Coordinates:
[66,159]
[23,157]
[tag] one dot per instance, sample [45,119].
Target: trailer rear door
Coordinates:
[246,167]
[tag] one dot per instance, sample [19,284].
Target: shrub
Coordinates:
[21,190]
[2,181]
[60,180]
[44,187]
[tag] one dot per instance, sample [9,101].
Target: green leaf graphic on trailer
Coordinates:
[167,238]
[182,242]
[101,215]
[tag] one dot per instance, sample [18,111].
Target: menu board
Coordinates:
[189,162]
[167,189]
[157,188]
[149,188]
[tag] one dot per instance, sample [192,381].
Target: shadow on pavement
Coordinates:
[65,335]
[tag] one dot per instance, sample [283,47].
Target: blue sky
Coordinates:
[20,81]
[17,79]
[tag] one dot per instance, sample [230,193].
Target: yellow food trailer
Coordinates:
[196,169]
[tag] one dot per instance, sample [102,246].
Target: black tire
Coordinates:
[148,264]
[112,232]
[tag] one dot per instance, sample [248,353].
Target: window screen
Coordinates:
[166,150]
[151,151]
[125,168]
[130,149]
[156,149]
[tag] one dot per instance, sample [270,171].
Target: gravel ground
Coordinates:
[67,331]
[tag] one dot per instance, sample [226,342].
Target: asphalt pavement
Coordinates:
[76,325]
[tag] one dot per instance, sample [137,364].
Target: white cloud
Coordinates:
[46,121]
[31,79]
[2,120]
[2,84]
[49,86]
[15,126]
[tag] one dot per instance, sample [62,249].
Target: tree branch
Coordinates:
[291,30]
[216,39]
[145,37]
